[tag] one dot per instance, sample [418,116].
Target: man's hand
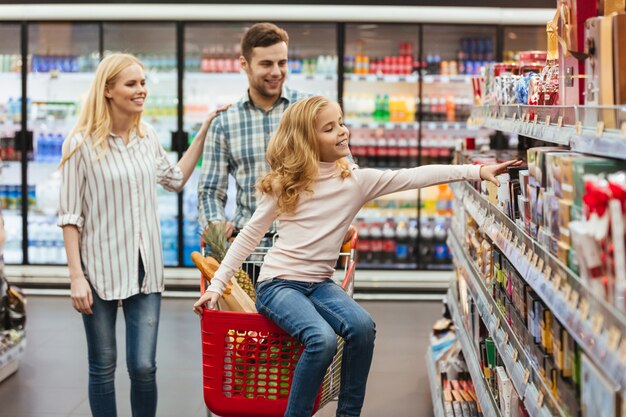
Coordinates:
[490,172]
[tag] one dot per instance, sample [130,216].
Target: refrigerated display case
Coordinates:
[213,78]
[405,90]
[62,59]
[10,149]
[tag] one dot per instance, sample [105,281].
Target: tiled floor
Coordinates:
[52,378]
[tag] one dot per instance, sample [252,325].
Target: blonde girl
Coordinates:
[111,164]
[315,193]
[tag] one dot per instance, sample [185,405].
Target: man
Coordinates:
[237,139]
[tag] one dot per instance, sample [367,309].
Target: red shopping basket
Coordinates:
[248,362]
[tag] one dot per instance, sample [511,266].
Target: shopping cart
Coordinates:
[248,361]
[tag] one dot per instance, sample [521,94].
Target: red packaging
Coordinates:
[572,16]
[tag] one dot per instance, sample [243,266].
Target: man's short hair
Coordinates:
[262,35]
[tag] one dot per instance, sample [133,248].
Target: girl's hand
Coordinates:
[211,297]
[82,299]
[490,172]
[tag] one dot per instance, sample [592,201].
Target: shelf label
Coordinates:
[540,399]
[557,281]
[579,128]
[506,338]
[515,356]
[547,272]
[573,301]
[533,259]
[623,129]
[548,120]
[567,290]
[622,352]
[596,323]
[614,337]
[599,128]
[559,122]
[584,309]
[497,323]
[540,264]
[526,375]
[515,117]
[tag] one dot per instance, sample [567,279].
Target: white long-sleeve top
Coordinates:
[113,203]
[309,240]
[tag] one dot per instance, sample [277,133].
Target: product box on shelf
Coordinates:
[608,7]
[571,23]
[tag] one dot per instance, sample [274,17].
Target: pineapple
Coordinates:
[217,245]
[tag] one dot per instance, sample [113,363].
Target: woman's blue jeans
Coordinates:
[315,313]
[141,313]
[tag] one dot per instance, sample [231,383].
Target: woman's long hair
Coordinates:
[95,121]
[293,155]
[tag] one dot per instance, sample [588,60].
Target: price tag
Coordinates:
[584,309]
[527,117]
[533,259]
[526,375]
[622,352]
[515,356]
[596,323]
[503,115]
[506,338]
[573,301]
[523,248]
[614,337]
[498,323]
[540,399]
[559,122]
[547,272]
[490,308]
[529,255]
[515,117]
[557,281]
[599,128]
[623,129]
[567,290]
[535,119]
[548,120]
[515,241]
[579,128]
[524,116]
[540,264]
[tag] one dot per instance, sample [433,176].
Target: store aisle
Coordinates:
[52,378]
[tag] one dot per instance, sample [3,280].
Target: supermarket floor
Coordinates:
[52,378]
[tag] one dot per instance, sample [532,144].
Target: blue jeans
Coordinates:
[141,313]
[315,313]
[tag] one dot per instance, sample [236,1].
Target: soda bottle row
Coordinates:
[44,63]
[438,108]
[45,242]
[433,249]
[214,59]
[49,147]
[380,108]
[400,64]
[158,62]
[320,65]
[384,148]
[8,150]
[11,196]
[387,241]
[161,106]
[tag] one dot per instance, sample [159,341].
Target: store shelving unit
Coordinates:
[483,394]
[435,386]
[597,327]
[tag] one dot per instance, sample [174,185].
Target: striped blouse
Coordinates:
[113,202]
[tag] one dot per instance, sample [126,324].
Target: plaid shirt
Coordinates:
[235,144]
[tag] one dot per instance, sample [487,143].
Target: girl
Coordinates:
[315,193]
[111,164]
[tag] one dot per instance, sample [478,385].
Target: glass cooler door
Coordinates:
[155,45]
[10,143]
[380,101]
[213,78]
[62,60]
[452,55]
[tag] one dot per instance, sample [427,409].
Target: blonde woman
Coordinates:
[111,164]
[315,193]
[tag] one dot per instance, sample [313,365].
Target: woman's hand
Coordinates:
[211,117]
[490,172]
[349,234]
[209,296]
[82,298]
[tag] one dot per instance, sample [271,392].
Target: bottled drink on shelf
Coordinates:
[389,242]
[427,236]
[365,243]
[402,242]
[392,151]
[376,242]
[382,156]
[403,151]
[412,242]
[444,200]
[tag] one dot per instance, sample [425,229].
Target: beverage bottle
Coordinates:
[382,156]
[402,243]
[58,147]
[389,242]
[376,243]
[40,147]
[372,152]
[364,247]
[357,147]
[403,151]
[427,235]
[385,107]
[412,241]
[444,200]
[440,249]
[392,151]
[205,64]
[413,150]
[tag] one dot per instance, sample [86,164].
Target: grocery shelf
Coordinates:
[387,78]
[595,130]
[519,365]
[435,385]
[356,124]
[596,326]
[485,398]
[446,79]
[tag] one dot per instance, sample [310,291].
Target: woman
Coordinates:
[111,164]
